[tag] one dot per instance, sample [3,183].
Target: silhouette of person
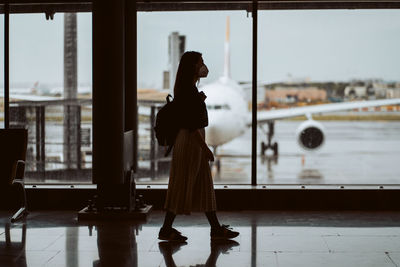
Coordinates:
[190,186]
[168,248]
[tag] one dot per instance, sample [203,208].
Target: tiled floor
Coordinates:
[267,238]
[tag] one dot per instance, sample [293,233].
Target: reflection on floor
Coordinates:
[267,238]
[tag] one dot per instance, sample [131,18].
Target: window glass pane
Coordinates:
[50,94]
[162,38]
[329,57]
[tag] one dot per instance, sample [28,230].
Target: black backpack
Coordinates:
[166,128]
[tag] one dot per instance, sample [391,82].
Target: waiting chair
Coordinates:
[13,146]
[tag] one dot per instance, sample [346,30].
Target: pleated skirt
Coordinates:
[190,186]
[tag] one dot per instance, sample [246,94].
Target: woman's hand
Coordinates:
[209,154]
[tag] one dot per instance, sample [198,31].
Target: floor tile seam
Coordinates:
[366,251]
[287,251]
[329,252]
[45,263]
[326,243]
[376,235]
[391,260]
[276,259]
[77,251]
[45,249]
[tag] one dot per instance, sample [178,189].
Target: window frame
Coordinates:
[50,7]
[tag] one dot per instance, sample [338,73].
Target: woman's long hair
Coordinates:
[187,72]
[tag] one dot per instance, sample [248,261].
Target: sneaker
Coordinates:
[168,248]
[223,245]
[223,232]
[171,235]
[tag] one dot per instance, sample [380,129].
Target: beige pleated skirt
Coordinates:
[190,186]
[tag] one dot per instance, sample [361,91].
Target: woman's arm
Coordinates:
[203,145]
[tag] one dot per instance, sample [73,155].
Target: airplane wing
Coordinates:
[31,97]
[265,116]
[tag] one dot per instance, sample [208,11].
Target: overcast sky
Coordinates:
[335,45]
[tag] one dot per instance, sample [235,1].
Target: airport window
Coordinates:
[328,57]
[50,94]
[225,39]
[305,57]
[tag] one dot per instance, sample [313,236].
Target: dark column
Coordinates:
[254,99]
[130,75]
[6,65]
[108,95]
[70,91]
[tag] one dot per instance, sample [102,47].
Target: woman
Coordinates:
[190,186]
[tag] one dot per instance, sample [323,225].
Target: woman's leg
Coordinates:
[169,220]
[218,231]
[212,219]
[167,232]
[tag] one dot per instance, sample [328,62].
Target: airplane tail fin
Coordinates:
[227,63]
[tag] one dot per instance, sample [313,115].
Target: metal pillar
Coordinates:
[40,139]
[131,108]
[152,143]
[108,98]
[70,133]
[78,138]
[254,99]
[6,65]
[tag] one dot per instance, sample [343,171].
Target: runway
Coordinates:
[355,152]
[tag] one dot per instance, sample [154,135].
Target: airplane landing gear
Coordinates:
[217,160]
[270,134]
[216,163]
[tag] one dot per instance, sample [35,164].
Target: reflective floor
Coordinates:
[267,238]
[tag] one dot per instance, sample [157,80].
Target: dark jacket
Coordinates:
[191,110]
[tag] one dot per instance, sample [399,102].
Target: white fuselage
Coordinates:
[227,111]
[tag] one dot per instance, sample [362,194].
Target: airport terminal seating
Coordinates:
[13,146]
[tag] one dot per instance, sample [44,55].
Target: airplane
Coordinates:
[43,92]
[229,116]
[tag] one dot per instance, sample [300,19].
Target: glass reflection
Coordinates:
[117,246]
[12,251]
[167,249]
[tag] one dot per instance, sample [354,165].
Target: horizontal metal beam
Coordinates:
[26,6]
[17,8]
[262,5]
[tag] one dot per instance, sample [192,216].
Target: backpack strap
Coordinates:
[167,98]
[168,150]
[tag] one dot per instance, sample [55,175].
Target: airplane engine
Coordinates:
[310,135]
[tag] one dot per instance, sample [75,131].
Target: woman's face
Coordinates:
[202,70]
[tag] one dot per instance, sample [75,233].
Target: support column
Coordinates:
[70,92]
[131,109]
[108,96]
[254,97]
